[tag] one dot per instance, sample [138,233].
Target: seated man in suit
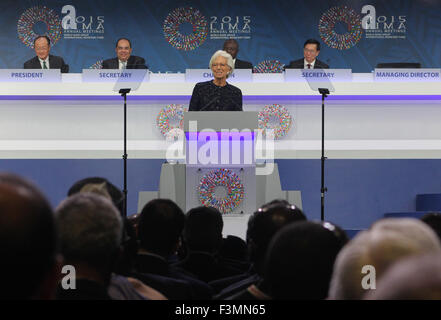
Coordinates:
[311,50]
[44,60]
[124,59]
[232,47]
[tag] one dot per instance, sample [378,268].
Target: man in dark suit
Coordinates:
[124,59]
[311,50]
[232,47]
[44,60]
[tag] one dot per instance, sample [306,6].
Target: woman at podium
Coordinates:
[217,94]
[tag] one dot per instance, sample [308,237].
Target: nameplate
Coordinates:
[407,75]
[115,75]
[200,75]
[317,75]
[30,75]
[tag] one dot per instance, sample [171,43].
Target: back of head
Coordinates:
[234,248]
[300,259]
[264,224]
[414,278]
[28,239]
[386,242]
[203,229]
[160,226]
[90,230]
[92,184]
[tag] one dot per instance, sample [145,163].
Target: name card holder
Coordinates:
[407,75]
[30,75]
[334,75]
[115,75]
[200,75]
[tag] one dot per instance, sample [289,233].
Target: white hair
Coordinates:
[226,55]
[90,227]
[386,242]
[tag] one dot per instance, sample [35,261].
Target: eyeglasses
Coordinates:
[310,50]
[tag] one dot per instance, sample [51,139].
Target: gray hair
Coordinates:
[386,242]
[90,228]
[226,55]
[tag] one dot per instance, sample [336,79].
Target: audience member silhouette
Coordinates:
[30,263]
[203,237]
[300,260]
[90,232]
[160,227]
[262,226]
[386,242]
[129,242]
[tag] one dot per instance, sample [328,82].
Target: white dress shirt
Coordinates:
[47,62]
[306,64]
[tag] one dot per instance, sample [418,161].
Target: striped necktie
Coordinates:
[44,65]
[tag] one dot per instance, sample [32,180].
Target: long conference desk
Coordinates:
[365,119]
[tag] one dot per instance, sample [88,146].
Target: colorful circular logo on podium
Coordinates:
[223,179]
[34,15]
[170,121]
[277,118]
[327,28]
[176,19]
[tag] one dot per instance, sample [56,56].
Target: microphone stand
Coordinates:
[324,92]
[124,93]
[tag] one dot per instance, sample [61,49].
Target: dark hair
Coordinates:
[433,219]
[300,260]
[130,44]
[233,41]
[312,41]
[264,224]
[203,229]
[160,226]
[46,37]
[115,193]
[28,237]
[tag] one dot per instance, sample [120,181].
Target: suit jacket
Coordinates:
[134,62]
[240,64]
[299,64]
[55,62]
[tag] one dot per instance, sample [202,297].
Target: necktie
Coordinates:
[309,66]
[124,64]
[44,65]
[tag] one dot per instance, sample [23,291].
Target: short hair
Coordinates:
[386,242]
[28,238]
[263,225]
[203,229]
[233,41]
[300,259]
[160,226]
[312,41]
[226,55]
[46,37]
[130,43]
[90,230]
[414,278]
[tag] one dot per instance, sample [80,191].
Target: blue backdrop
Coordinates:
[403,30]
